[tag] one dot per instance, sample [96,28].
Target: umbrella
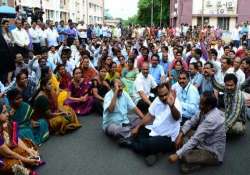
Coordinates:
[7,12]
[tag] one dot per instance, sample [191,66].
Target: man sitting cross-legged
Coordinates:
[160,127]
[117,104]
[207,145]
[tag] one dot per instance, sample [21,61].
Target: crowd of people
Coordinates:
[177,90]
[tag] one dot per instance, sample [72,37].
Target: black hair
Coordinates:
[165,48]
[228,59]
[210,99]
[195,65]
[229,77]
[12,94]
[76,69]
[198,51]
[166,84]
[213,51]
[226,47]
[23,71]
[44,50]
[157,56]
[209,63]
[185,73]
[247,60]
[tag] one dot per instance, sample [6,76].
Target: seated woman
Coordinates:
[37,131]
[25,85]
[128,76]
[113,74]
[60,118]
[175,72]
[80,98]
[62,76]
[15,154]
[100,88]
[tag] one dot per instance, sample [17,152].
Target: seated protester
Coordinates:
[156,69]
[237,71]
[61,119]
[245,66]
[235,113]
[53,56]
[245,87]
[99,89]
[65,61]
[188,95]
[25,85]
[80,98]
[116,106]
[200,66]
[113,74]
[36,131]
[164,61]
[206,83]
[179,58]
[198,57]
[122,64]
[128,77]
[159,128]
[207,145]
[88,73]
[175,72]
[15,154]
[195,76]
[143,58]
[62,76]
[143,85]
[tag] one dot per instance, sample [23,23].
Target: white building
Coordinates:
[90,11]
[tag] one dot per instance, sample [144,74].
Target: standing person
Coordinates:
[237,71]
[82,32]
[236,36]
[51,35]
[159,128]
[35,35]
[207,145]
[21,39]
[61,31]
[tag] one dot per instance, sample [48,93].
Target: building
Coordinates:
[89,11]
[7,2]
[220,13]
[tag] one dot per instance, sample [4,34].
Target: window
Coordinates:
[4,2]
[223,23]
[199,21]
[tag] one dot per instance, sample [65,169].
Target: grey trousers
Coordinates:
[200,157]
[122,130]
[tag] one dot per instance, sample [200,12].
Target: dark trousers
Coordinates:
[24,51]
[143,106]
[148,145]
[36,48]
[98,107]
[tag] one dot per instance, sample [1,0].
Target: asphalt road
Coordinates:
[88,151]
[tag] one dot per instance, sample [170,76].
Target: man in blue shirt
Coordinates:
[117,104]
[188,95]
[156,70]
[164,62]
[61,31]
[206,83]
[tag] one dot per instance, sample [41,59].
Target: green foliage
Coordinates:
[143,16]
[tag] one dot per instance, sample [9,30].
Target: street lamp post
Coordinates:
[152,12]
[202,14]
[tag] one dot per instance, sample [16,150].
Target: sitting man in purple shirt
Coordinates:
[207,145]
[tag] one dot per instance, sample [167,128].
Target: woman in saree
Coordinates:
[35,130]
[61,119]
[175,72]
[128,76]
[113,74]
[100,88]
[80,98]
[16,156]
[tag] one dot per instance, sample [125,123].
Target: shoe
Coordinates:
[150,160]
[189,168]
[125,142]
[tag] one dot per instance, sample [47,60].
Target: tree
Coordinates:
[143,16]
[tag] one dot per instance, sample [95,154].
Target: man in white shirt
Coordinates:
[237,71]
[21,39]
[51,35]
[159,128]
[144,83]
[82,32]
[35,35]
[236,36]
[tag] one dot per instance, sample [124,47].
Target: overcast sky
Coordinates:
[121,8]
